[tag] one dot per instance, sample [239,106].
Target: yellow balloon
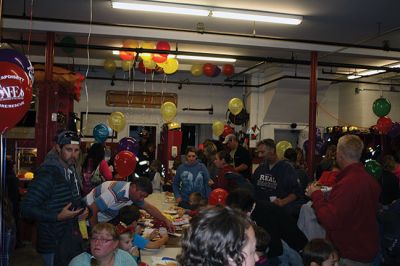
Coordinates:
[174,125]
[168,111]
[281,147]
[117,121]
[218,128]
[126,65]
[196,70]
[147,45]
[170,66]
[235,106]
[130,44]
[110,66]
[149,64]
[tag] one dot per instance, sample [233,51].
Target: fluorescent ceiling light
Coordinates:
[257,16]
[366,73]
[115,52]
[206,58]
[162,7]
[199,10]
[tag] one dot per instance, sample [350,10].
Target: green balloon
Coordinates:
[381,107]
[69,41]
[374,168]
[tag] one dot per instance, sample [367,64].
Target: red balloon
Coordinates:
[15,95]
[208,69]
[159,58]
[228,130]
[125,163]
[228,70]
[125,55]
[217,197]
[163,46]
[384,124]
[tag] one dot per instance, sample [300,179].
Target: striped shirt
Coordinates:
[110,197]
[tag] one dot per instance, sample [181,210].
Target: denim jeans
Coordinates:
[48,259]
[290,256]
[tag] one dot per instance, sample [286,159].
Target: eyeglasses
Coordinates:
[101,240]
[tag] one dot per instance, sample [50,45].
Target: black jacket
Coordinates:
[49,192]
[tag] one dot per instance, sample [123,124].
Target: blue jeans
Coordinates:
[48,259]
[290,256]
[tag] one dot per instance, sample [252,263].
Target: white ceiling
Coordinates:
[342,31]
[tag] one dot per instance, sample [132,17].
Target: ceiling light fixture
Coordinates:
[366,73]
[199,10]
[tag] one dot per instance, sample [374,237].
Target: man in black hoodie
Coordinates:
[54,201]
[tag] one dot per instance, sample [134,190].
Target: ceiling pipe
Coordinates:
[238,57]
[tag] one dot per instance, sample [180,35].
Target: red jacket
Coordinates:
[349,213]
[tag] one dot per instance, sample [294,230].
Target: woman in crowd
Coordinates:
[95,169]
[219,237]
[104,249]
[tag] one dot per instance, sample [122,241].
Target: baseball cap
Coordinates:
[228,138]
[68,137]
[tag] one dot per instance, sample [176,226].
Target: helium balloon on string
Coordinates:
[70,41]
[171,66]
[125,163]
[196,70]
[129,144]
[148,64]
[281,147]
[110,66]
[217,128]
[128,55]
[12,56]
[216,72]
[126,65]
[15,95]
[100,133]
[168,111]
[208,69]
[217,197]
[228,70]
[381,107]
[235,106]
[384,124]
[147,45]
[117,121]
[373,168]
[227,130]
[395,130]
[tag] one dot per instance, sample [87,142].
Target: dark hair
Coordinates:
[215,236]
[191,149]
[96,154]
[129,214]
[241,199]
[317,250]
[197,197]
[291,155]
[263,238]
[143,184]
[268,143]
[226,156]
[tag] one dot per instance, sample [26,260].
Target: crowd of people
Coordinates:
[272,215]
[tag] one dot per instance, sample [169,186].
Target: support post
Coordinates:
[312,115]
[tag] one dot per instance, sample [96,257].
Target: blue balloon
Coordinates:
[100,133]
[216,72]
[129,144]
[12,56]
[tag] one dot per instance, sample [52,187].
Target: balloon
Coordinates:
[110,66]
[217,197]
[128,55]
[12,56]
[100,133]
[126,65]
[373,168]
[196,70]
[69,40]
[163,46]
[228,70]
[235,106]
[159,58]
[384,124]
[15,95]
[129,144]
[281,147]
[208,69]
[174,125]
[150,65]
[395,130]
[171,66]
[143,69]
[227,130]
[381,107]
[168,111]
[147,45]
[125,163]
[217,128]
[216,72]
[117,121]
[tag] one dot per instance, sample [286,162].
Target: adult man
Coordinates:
[241,157]
[275,180]
[54,201]
[279,225]
[108,198]
[349,213]
[191,176]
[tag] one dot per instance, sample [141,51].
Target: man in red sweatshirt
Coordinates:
[349,213]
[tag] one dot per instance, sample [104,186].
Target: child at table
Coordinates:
[319,252]
[125,237]
[263,239]
[128,217]
[195,203]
